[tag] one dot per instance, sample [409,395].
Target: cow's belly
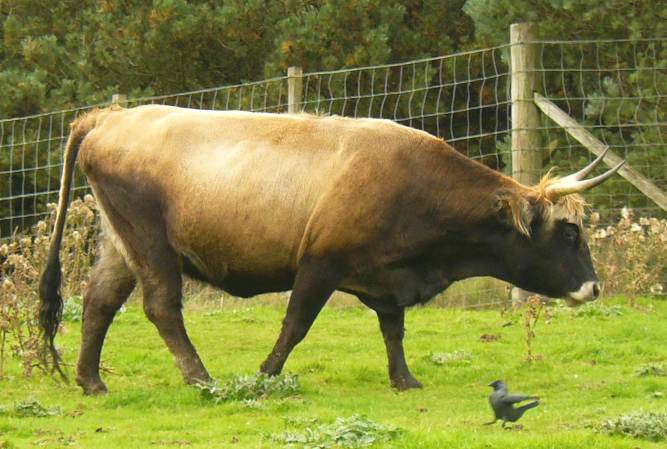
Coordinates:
[402,286]
[245,244]
[239,254]
[243,284]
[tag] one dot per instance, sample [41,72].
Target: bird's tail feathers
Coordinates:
[528,406]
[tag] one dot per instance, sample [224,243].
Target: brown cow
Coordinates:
[256,203]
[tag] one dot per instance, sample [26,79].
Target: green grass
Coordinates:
[586,376]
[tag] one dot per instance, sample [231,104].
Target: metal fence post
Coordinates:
[526,139]
[294,89]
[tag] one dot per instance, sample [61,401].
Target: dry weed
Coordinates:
[22,259]
[630,257]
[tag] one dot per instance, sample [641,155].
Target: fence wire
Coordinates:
[463,98]
[31,148]
[615,88]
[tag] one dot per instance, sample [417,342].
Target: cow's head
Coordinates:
[546,249]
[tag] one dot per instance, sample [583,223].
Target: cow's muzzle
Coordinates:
[589,290]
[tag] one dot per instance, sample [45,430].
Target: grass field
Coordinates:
[586,375]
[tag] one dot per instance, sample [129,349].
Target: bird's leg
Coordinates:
[489,423]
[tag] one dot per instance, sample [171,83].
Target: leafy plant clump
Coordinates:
[598,310]
[29,408]
[648,426]
[73,309]
[458,356]
[353,432]
[250,389]
[651,369]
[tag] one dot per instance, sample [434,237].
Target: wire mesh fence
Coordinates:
[261,96]
[31,148]
[463,98]
[615,88]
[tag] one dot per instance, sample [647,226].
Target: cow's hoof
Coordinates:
[406,383]
[198,380]
[270,367]
[92,387]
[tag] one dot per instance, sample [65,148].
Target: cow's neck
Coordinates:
[475,254]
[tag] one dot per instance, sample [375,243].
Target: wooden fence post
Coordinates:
[119,100]
[294,89]
[526,139]
[596,147]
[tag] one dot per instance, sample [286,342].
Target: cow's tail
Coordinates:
[51,302]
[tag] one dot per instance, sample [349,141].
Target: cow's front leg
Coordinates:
[392,326]
[314,283]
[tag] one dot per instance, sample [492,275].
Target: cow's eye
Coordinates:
[571,233]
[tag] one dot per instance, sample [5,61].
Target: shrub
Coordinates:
[29,408]
[353,432]
[250,388]
[651,369]
[598,310]
[649,426]
[73,309]
[630,257]
[22,259]
[458,356]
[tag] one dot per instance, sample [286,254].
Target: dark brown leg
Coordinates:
[161,284]
[315,281]
[392,327]
[109,286]
[138,221]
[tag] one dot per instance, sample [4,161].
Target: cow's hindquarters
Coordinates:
[139,228]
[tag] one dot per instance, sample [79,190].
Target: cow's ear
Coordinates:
[514,210]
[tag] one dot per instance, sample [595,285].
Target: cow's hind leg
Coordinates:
[392,327]
[315,282]
[161,282]
[109,286]
[138,222]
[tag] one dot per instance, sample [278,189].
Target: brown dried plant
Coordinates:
[531,316]
[22,259]
[630,257]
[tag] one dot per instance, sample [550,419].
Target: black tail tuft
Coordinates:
[51,308]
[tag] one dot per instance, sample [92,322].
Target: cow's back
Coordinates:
[237,189]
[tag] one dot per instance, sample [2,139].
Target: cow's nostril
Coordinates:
[596,290]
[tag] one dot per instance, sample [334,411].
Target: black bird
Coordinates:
[502,403]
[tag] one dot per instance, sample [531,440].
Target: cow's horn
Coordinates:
[564,187]
[581,174]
